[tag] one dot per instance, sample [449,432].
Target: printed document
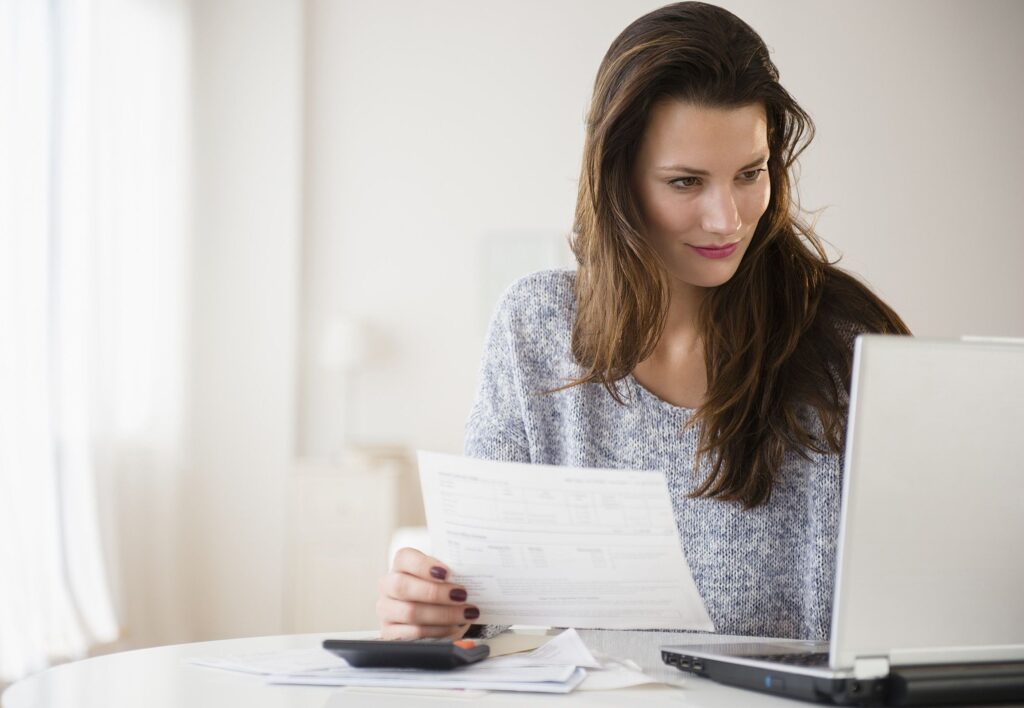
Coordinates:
[561,546]
[560,664]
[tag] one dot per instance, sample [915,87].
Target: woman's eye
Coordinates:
[752,175]
[685,182]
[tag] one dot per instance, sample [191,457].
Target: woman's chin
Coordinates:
[704,277]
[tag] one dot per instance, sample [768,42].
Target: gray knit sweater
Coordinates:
[763,571]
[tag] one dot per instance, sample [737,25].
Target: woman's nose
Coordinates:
[720,213]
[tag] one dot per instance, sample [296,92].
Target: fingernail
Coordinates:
[439,572]
[471,613]
[458,595]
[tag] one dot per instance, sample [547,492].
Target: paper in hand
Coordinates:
[561,546]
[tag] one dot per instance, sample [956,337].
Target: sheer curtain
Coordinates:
[93,214]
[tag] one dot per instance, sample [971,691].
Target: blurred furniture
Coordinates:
[341,519]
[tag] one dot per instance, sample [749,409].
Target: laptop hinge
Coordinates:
[871,667]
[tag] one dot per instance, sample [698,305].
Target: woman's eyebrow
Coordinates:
[681,168]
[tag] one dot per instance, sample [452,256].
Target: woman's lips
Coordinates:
[713,252]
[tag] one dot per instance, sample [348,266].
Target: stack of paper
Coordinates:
[541,679]
[556,667]
[559,666]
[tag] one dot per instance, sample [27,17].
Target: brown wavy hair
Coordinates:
[778,335]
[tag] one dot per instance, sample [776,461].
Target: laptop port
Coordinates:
[698,665]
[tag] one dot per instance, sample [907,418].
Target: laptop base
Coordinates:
[904,686]
[818,689]
[979,683]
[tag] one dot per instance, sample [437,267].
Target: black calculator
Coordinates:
[408,653]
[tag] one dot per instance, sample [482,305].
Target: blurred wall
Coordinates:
[445,136]
[247,78]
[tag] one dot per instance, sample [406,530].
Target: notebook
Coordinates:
[929,593]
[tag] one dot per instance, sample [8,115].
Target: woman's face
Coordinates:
[701,182]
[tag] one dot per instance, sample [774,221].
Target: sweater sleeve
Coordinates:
[496,429]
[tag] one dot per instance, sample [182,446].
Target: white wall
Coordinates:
[437,130]
[918,106]
[248,139]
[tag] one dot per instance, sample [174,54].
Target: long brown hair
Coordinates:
[777,336]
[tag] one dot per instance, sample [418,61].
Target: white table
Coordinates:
[160,678]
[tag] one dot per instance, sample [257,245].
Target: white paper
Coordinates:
[542,679]
[566,649]
[343,696]
[563,663]
[618,674]
[561,546]
[480,671]
[603,673]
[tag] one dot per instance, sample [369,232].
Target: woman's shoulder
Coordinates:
[537,312]
[545,297]
[548,287]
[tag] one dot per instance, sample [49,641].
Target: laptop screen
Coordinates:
[931,559]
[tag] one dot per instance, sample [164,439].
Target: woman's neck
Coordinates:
[675,370]
[681,329]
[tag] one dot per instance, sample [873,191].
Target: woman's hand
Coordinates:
[415,601]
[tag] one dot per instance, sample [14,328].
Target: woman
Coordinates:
[704,333]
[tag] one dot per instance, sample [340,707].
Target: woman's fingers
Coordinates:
[414,562]
[395,611]
[417,602]
[402,586]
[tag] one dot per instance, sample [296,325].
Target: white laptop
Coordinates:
[929,593]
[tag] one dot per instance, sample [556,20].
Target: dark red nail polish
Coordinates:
[458,595]
[438,572]
[471,613]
